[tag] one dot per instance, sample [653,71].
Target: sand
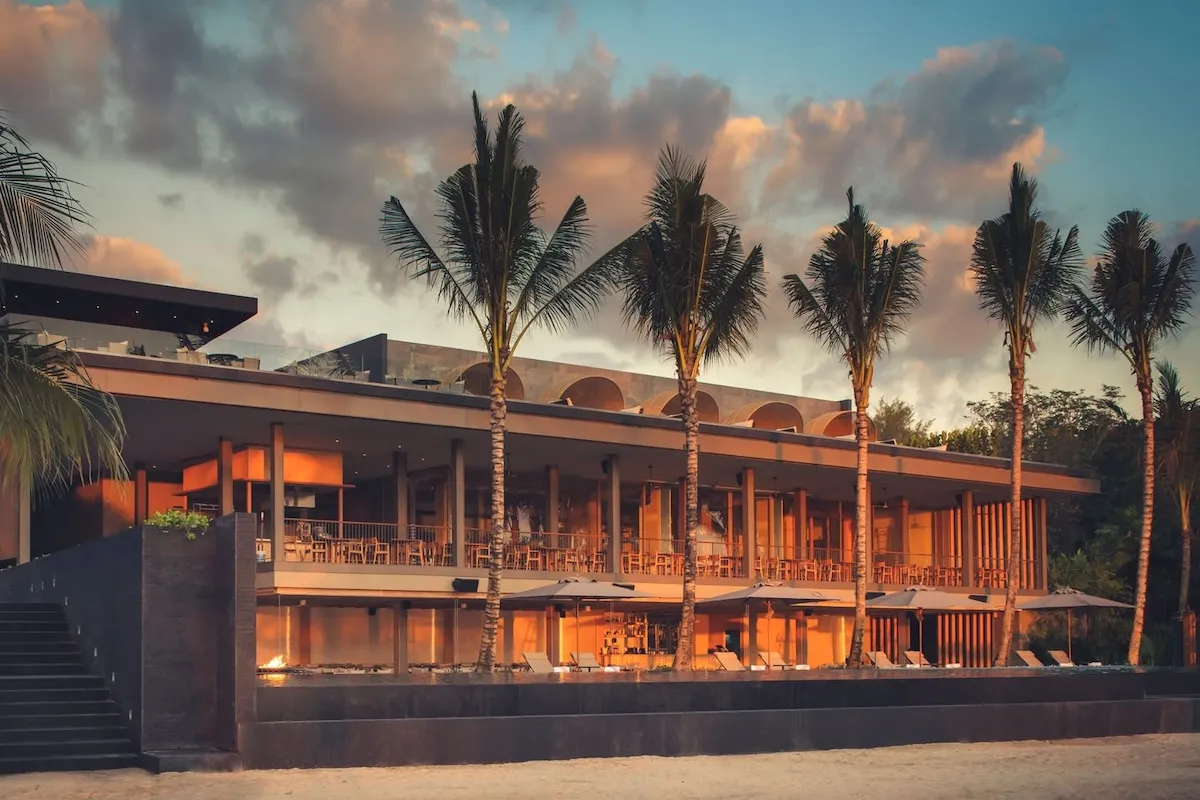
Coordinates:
[1145,767]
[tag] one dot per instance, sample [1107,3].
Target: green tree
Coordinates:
[689,290]
[1023,273]
[1138,297]
[56,426]
[1178,432]
[897,420]
[501,272]
[856,298]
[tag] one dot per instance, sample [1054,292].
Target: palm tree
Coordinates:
[1179,460]
[859,294]
[55,425]
[1138,298]
[689,290]
[501,272]
[1023,275]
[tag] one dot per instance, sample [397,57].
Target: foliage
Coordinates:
[176,519]
[897,420]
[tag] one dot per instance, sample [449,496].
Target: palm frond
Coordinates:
[38,212]
[56,425]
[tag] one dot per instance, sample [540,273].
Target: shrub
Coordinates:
[176,519]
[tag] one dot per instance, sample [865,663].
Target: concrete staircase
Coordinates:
[54,714]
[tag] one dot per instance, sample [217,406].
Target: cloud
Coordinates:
[275,276]
[939,143]
[174,200]
[118,257]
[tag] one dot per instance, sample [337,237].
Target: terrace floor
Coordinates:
[1148,767]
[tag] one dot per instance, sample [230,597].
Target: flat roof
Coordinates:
[81,297]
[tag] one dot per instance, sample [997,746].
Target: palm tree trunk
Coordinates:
[1145,387]
[1004,646]
[1185,556]
[685,651]
[491,608]
[861,521]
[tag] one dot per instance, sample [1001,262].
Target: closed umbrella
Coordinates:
[578,590]
[921,599]
[1067,599]
[769,593]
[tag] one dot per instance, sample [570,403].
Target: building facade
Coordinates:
[367,468]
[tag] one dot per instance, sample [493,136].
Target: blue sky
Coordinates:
[922,104]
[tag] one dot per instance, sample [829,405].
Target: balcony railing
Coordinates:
[382,543]
[786,564]
[917,569]
[575,553]
[992,573]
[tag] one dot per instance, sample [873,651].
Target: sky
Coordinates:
[248,148]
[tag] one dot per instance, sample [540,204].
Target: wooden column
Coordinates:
[1043,545]
[277,528]
[613,468]
[749,527]
[225,476]
[400,490]
[20,494]
[801,511]
[680,516]
[458,501]
[552,523]
[141,495]
[966,509]
[904,529]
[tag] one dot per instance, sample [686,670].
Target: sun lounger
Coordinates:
[916,658]
[729,661]
[539,663]
[773,660]
[1029,659]
[880,659]
[1060,658]
[586,662]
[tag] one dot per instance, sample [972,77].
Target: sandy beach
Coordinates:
[1146,767]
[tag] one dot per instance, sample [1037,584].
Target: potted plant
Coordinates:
[191,523]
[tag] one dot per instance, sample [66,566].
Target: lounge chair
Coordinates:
[880,659]
[729,661]
[773,660]
[539,663]
[916,658]
[1060,658]
[1029,659]
[586,662]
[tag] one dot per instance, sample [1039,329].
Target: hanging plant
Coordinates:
[191,523]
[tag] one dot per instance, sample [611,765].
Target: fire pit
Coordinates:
[279,666]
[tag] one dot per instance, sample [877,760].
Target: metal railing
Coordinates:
[917,569]
[992,573]
[540,552]
[382,543]
[783,563]
[714,558]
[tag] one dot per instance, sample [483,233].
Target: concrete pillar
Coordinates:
[752,635]
[749,525]
[789,640]
[508,634]
[277,547]
[552,504]
[15,515]
[225,476]
[803,547]
[1041,543]
[400,488]
[966,508]
[613,468]
[141,495]
[458,501]
[904,529]
[400,638]
[304,634]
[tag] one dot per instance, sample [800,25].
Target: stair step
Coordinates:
[33,709]
[66,734]
[13,637]
[8,606]
[59,667]
[65,720]
[36,682]
[12,766]
[94,693]
[51,615]
[16,625]
[89,747]
[61,657]
[66,646]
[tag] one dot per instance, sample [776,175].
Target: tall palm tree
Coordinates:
[689,290]
[858,297]
[1023,273]
[55,425]
[503,273]
[1138,297]
[1179,437]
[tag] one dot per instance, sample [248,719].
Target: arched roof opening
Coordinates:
[774,415]
[706,407]
[839,423]
[594,391]
[477,379]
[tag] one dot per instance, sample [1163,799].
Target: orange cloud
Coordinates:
[118,257]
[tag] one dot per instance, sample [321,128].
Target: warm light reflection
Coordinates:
[278,662]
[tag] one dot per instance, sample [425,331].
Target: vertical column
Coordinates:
[304,634]
[1042,545]
[400,638]
[225,476]
[749,527]
[552,525]
[803,547]
[508,622]
[904,530]
[869,551]
[141,495]
[680,516]
[613,468]
[400,488]
[23,500]
[277,548]
[752,635]
[789,640]
[966,507]
[458,501]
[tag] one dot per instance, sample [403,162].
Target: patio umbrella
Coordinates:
[1067,599]
[770,594]
[577,590]
[921,599]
